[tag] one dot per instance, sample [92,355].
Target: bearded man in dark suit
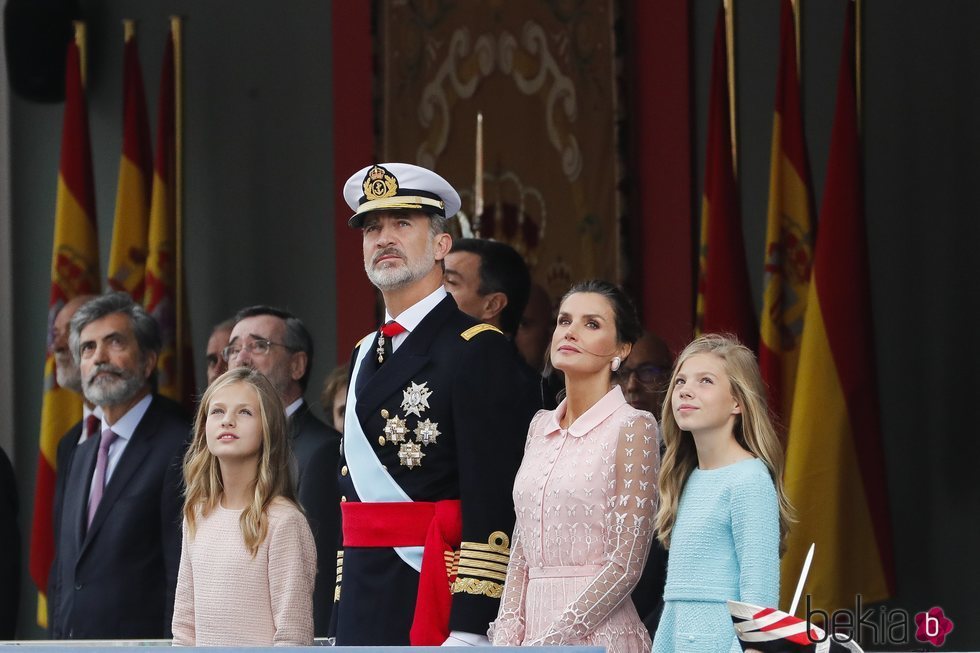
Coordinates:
[118,546]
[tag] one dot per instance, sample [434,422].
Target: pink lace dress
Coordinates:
[585,500]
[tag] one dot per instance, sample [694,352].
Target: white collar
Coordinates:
[293,407]
[414,314]
[127,424]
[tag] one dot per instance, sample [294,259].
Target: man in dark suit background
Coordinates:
[9,550]
[70,378]
[276,343]
[118,547]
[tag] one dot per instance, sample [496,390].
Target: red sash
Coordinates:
[435,526]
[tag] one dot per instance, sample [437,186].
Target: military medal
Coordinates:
[410,454]
[381,348]
[396,429]
[426,432]
[416,399]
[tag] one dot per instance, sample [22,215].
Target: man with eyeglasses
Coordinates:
[276,343]
[646,373]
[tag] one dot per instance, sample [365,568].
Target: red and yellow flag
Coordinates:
[127,258]
[163,298]
[789,235]
[74,272]
[724,299]
[835,473]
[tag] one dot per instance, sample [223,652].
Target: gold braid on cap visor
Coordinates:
[414,202]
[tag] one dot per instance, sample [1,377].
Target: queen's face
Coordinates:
[585,338]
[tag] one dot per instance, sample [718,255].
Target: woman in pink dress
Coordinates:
[586,492]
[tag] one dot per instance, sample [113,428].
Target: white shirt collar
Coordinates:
[127,424]
[293,407]
[414,314]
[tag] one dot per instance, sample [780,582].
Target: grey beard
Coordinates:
[385,279]
[68,375]
[112,391]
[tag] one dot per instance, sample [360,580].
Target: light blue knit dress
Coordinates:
[724,545]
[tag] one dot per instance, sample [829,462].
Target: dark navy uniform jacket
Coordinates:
[481,402]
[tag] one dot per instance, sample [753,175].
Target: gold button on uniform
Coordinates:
[342,499]
[384,413]
[381,440]
[343,470]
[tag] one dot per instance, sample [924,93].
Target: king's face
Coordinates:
[399,248]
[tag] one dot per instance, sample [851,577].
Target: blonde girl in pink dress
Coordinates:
[248,560]
[586,492]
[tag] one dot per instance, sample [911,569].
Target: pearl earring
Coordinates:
[615,363]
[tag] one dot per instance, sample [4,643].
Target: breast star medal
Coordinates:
[410,454]
[416,399]
[396,429]
[426,432]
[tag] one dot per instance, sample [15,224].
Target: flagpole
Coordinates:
[478,182]
[176,24]
[797,13]
[80,39]
[857,59]
[729,6]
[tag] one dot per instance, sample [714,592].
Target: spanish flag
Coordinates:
[835,474]
[724,300]
[789,236]
[74,272]
[163,298]
[127,258]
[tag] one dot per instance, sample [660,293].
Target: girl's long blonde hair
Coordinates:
[202,472]
[753,430]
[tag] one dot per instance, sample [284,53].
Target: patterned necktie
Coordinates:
[91,428]
[101,463]
[388,333]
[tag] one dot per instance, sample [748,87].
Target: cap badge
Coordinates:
[379,183]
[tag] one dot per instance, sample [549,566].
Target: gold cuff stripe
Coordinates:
[400,202]
[474,586]
[471,572]
[480,555]
[479,328]
[483,564]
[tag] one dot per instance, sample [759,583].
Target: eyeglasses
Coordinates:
[645,372]
[257,347]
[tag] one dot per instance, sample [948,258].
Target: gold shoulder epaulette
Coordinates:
[479,328]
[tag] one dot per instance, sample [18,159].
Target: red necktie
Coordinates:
[91,428]
[389,330]
[392,329]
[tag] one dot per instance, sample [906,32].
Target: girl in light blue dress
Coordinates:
[723,513]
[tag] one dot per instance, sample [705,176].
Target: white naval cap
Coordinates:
[394,186]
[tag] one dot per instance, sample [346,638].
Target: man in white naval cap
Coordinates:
[437,415]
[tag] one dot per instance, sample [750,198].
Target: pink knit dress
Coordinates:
[225,597]
[585,499]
